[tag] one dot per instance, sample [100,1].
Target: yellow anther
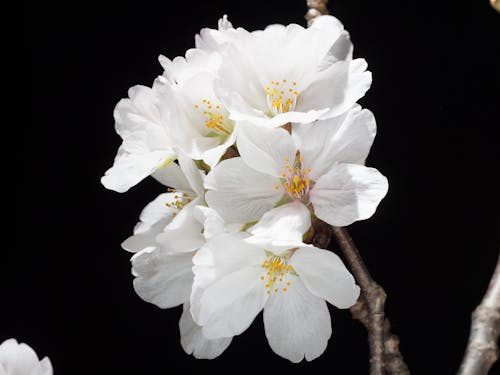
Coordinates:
[285,289]
[278,269]
[196,106]
[281,101]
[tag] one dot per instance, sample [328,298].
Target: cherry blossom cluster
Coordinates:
[255,135]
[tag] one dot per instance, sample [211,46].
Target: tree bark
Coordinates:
[482,349]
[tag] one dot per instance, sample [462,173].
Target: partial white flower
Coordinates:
[214,40]
[165,245]
[165,280]
[169,218]
[287,73]
[200,124]
[141,122]
[236,277]
[170,231]
[319,165]
[19,359]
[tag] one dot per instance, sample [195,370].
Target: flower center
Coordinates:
[277,270]
[180,200]
[215,118]
[281,96]
[295,180]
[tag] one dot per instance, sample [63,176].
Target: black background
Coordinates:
[432,244]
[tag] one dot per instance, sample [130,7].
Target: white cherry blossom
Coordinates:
[165,240]
[287,73]
[200,125]
[237,276]
[140,120]
[319,165]
[19,359]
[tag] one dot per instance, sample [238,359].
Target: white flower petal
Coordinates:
[224,254]
[192,339]
[130,169]
[243,113]
[154,217]
[265,149]
[229,306]
[297,323]
[19,359]
[173,176]
[325,275]
[212,156]
[342,139]
[45,367]
[219,257]
[347,193]
[336,88]
[212,222]
[183,233]
[146,145]
[192,173]
[239,193]
[162,279]
[342,48]
[282,227]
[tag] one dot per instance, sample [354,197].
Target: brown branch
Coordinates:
[316,9]
[482,350]
[374,297]
[394,363]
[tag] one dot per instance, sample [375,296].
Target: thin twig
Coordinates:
[394,361]
[482,349]
[374,296]
[316,9]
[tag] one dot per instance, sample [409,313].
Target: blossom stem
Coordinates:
[482,350]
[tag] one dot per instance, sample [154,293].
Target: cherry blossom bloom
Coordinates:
[141,122]
[163,269]
[286,73]
[200,125]
[19,359]
[319,165]
[236,277]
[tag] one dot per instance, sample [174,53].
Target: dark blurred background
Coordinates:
[432,244]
